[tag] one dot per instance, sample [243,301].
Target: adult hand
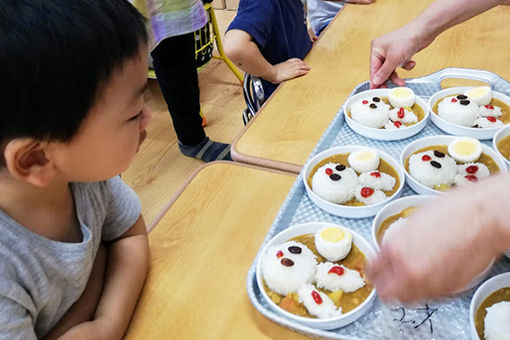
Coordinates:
[444,245]
[391,51]
[289,69]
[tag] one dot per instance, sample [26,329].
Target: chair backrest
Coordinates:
[253,96]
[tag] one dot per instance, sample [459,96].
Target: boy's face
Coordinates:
[113,130]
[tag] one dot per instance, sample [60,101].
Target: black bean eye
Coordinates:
[373,106]
[461,96]
[335,177]
[435,164]
[295,250]
[376,99]
[287,262]
[340,167]
[464,102]
[438,154]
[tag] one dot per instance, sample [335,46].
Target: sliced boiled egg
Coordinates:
[401,97]
[482,95]
[333,243]
[364,160]
[465,149]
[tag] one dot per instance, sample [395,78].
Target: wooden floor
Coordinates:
[159,170]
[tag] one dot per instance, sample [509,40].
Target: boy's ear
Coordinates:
[27,160]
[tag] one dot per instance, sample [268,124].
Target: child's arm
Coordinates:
[127,268]
[84,309]
[241,49]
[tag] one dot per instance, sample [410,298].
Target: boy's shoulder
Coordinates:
[263,15]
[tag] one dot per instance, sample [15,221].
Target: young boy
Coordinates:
[72,241]
[268,39]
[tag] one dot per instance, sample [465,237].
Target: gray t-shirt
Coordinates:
[321,12]
[40,278]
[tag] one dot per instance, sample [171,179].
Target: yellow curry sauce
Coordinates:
[417,109]
[484,158]
[389,221]
[355,260]
[342,159]
[505,109]
[499,295]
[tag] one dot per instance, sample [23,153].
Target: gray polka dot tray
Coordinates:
[441,319]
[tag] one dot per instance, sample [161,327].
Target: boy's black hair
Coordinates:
[55,56]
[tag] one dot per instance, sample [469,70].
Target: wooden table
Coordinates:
[285,131]
[201,251]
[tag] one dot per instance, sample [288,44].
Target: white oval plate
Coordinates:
[344,210]
[456,129]
[486,289]
[312,228]
[383,134]
[438,140]
[502,133]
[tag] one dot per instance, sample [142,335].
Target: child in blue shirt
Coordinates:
[268,39]
[73,244]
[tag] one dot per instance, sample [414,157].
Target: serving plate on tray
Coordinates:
[444,319]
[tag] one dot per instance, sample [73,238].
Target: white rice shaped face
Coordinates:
[333,243]
[403,115]
[497,321]
[394,228]
[318,303]
[287,267]
[335,277]
[334,183]
[432,168]
[459,110]
[369,196]
[371,112]
[401,97]
[377,180]
[471,173]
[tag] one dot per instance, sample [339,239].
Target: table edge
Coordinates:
[183,187]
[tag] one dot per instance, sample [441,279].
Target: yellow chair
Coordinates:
[216,37]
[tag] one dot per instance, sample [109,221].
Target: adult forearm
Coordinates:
[443,14]
[494,205]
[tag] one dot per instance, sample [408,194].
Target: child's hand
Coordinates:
[289,69]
